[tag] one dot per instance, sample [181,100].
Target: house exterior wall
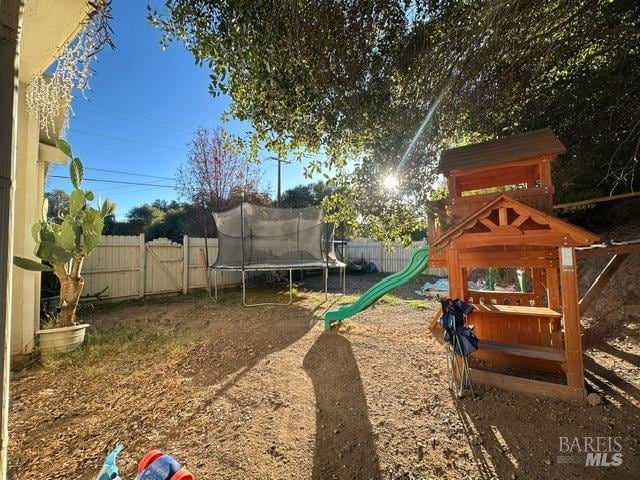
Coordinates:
[28,195]
[10,20]
[46,26]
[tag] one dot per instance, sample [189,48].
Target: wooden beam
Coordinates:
[465,282]
[531,237]
[536,278]
[566,234]
[437,260]
[521,350]
[531,161]
[515,261]
[582,236]
[545,174]
[488,223]
[487,197]
[519,362]
[452,186]
[508,230]
[477,181]
[516,310]
[502,216]
[590,201]
[604,249]
[527,386]
[553,288]
[601,281]
[456,289]
[571,317]
[520,220]
[525,250]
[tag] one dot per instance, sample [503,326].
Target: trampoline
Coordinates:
[253,238]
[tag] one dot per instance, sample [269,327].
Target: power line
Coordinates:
[130,140]
[117,181]
[121,188]
[142,113]
[116,195]
[142,121]
[128,173]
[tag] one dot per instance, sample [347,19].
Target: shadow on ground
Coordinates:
[236,340]
[345,445]
[516,436]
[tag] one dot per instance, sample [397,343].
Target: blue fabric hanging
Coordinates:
[452,322]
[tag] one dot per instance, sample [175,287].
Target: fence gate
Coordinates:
[164,265]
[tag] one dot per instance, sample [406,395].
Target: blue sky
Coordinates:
[141,112]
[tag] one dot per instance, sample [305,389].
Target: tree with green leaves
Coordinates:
[58,201]
[355,80]
[174,224]
[309,195]
[64,242]
[144,216]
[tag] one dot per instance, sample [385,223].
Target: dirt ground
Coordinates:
[255,393]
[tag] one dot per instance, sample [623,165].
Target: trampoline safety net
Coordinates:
[254,236]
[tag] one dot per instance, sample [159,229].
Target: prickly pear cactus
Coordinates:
[63,244]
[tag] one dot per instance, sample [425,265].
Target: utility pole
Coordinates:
[280,161]
[279,177]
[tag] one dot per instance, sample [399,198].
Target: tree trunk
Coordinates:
[70,290]
[71,285]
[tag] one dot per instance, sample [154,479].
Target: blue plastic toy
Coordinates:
[155,465]
[109,469]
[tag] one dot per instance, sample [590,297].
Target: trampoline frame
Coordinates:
[244,268]
[271,268]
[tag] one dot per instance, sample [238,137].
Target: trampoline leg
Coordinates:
[326,284]
[244,291]
[290,287]
[213,297]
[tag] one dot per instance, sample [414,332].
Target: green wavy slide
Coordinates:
[415,267]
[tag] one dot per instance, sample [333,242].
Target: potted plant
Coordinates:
[62,244]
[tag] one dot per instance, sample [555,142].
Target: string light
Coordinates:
[49,96]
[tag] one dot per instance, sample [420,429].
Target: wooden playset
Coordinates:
[511,226]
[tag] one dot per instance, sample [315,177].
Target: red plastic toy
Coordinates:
[156,465]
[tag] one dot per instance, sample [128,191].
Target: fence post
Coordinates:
[143,263]
[381,255]
[185,264]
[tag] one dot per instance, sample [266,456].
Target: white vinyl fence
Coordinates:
[386,261]
[127,266]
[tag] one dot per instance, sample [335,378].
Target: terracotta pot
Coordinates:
[64,339]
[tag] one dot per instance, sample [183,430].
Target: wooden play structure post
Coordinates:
[456,288]
[571,317]
[536,280]
[512,228]
[553,287]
